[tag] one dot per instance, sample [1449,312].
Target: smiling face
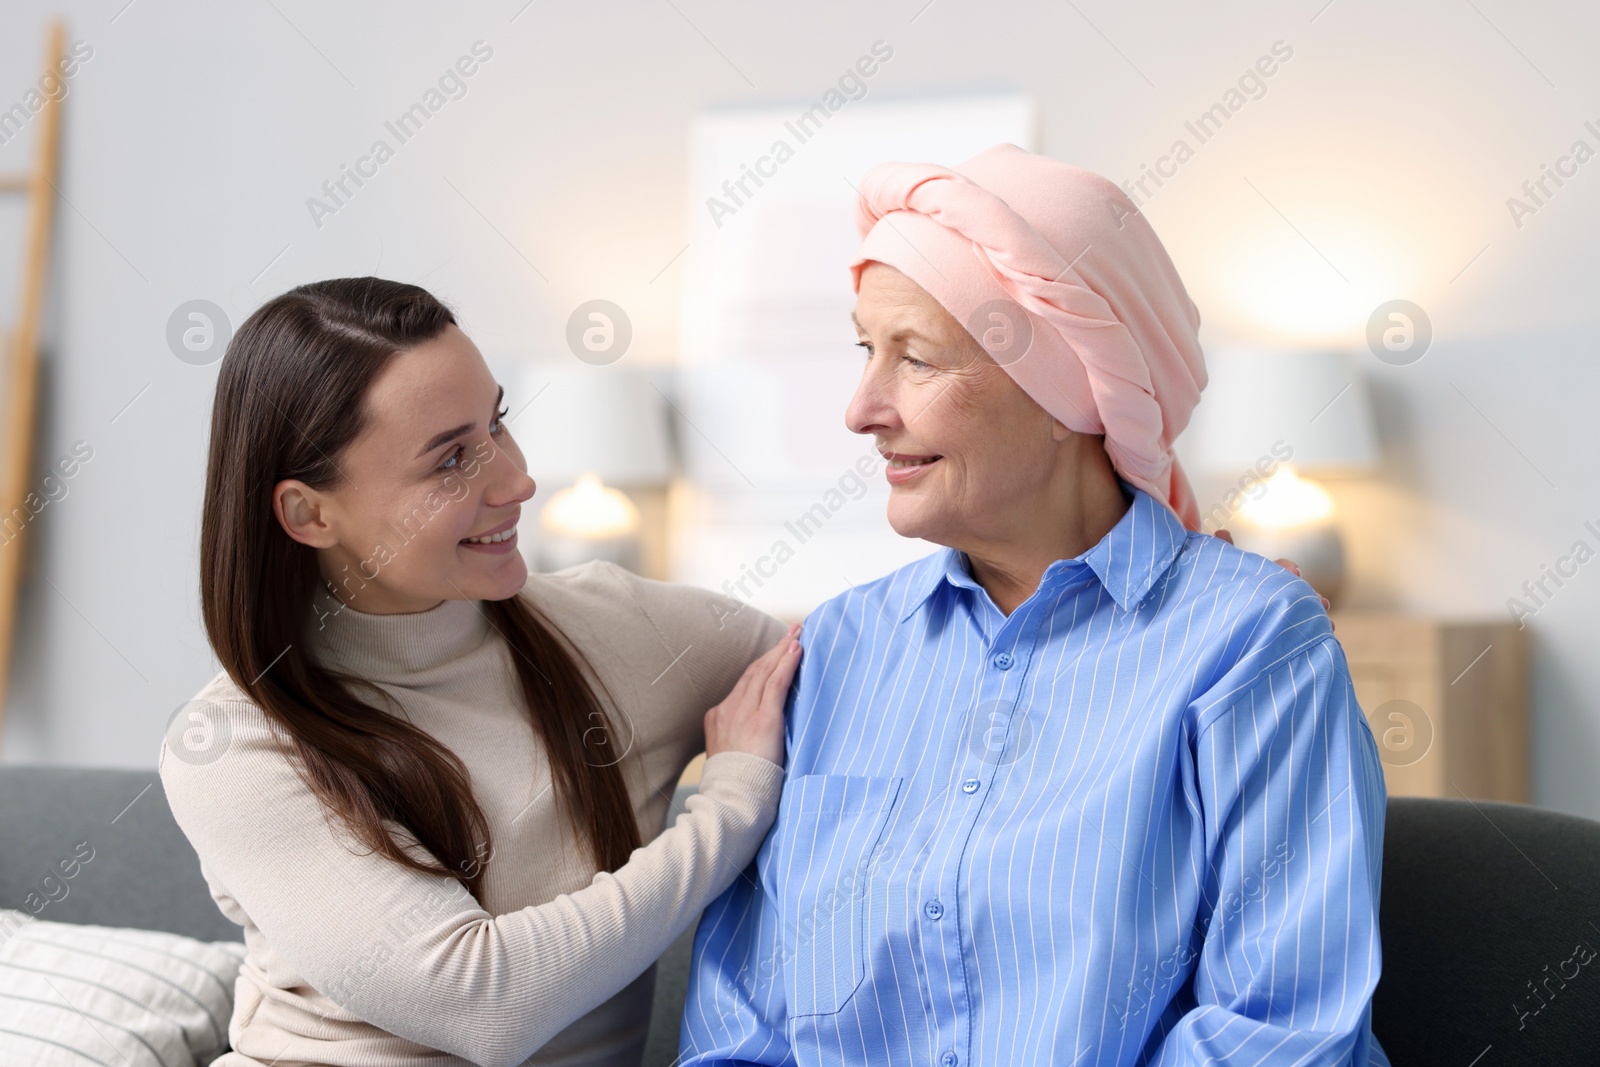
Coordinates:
[973,460]
[432,477]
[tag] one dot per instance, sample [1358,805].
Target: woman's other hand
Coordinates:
[1287,564]
[751,719]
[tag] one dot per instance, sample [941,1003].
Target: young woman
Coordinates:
[422,780]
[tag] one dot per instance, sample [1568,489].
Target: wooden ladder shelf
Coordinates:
[21,371]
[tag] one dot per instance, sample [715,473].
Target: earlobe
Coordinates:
[298,509]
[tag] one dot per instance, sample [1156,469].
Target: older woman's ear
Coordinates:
[1287,564]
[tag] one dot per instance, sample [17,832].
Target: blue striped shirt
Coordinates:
[1139,820]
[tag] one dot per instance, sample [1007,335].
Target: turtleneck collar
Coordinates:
[392,648]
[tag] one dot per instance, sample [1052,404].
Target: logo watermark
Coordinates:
[849,888]
[51,489]
[1004,329]
[1538,590]
[52,887]
[1253,885]
[1252,485]
[198,332]
[411,527]
[337,192]
[1404,732]
[53,86]
[1582,956]
[852,85]
[599,332]
[397,929]
[199,732]
[999,732]
[1537,192]
[848,488]
[1251,85]
[1399,332]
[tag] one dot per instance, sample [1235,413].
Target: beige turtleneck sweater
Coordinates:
[354,960]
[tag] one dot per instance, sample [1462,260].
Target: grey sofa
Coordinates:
[1480,901]
[145,875]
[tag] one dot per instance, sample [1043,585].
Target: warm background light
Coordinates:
[1289,501]
[590,509]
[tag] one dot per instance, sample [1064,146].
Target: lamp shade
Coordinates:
[1257,401]
[605,420]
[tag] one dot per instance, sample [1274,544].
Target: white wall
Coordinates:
[1390,141]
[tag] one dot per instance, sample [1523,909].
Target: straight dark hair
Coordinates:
[291,397]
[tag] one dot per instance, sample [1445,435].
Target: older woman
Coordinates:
[1085,786]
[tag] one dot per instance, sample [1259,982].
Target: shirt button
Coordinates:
[949,1059]
[933,909]
[969,786]
[1003,661]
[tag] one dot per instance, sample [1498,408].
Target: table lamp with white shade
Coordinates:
[1266,417]
[589,434]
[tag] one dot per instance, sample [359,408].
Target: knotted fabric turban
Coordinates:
[1105,340]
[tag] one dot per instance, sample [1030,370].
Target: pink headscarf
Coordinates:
[1108,343]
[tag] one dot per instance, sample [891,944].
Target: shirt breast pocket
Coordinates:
[831,827]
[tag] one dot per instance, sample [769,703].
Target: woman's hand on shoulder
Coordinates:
[1287,564]
[751,718]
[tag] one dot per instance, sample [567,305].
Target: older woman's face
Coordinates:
[970,454]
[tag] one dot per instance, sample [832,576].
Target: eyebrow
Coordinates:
[450,435]
[899,335]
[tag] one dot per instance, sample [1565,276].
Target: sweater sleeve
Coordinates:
[714,637]
[413,953]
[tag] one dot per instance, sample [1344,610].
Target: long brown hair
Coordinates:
[290,398]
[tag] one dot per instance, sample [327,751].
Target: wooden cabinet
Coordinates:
[1447,701]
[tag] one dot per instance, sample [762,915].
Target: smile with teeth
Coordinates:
[897,464]
[492,539]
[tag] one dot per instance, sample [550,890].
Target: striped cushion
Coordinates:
[77,995]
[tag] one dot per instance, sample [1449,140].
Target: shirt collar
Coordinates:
[1127,560]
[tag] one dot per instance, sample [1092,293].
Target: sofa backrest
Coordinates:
[1490,936]
[95,845]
